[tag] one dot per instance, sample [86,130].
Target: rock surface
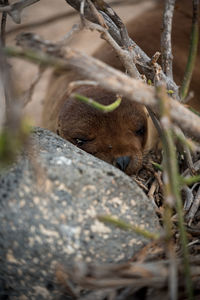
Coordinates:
[48,206]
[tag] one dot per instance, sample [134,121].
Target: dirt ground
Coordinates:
[85,41]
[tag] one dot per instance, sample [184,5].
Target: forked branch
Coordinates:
[117,31]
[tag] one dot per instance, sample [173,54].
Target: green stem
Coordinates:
[36,57]
[97,105]
[125,226]
[190,180]
[184,241]
[172,184]
[192,53]
[157,166]
[12,142]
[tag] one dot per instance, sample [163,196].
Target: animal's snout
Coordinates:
[122,162]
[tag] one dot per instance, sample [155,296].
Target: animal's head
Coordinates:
[117,137]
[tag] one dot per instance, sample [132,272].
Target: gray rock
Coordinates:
[48,206]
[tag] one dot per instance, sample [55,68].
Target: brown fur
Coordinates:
[114,135]
[118,136]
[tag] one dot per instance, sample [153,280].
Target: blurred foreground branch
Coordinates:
[112,80]
[194,39]
[121,281]
[173,199]
[13,129]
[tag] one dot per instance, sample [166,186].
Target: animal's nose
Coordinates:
[122,162]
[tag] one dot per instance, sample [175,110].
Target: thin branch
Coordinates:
[3,25]
[137,274]
[102,6]
[138,56]
[112,80]
[128,227]
[169,161]
[189,198]
[27,97]
[15,9]
[194,208]
[97,15]
[172,181]
[192,51]
[123,54]
[167,59]
[196,168]
[185,147]
[35,42]
[190,180]
[151,193]
[3,28]
[166,46]
[60,16]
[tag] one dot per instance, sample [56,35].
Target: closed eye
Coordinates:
[141,131]
[81,141]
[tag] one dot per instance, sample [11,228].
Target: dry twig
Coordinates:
[194,207]
[27,97]
[3,23]
[60,16]
[138,56]
[123,54]
[111,278]
[166,47]
[15,9]
[114,81]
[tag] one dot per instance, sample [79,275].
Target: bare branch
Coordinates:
[194,208]
[184,147]
[27,97]
[166,46]
[3,25]
[137,274]
[15,9]
[35,42]
[76,28]
[113,80]
[138,56]
[63,15]
[124,55]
